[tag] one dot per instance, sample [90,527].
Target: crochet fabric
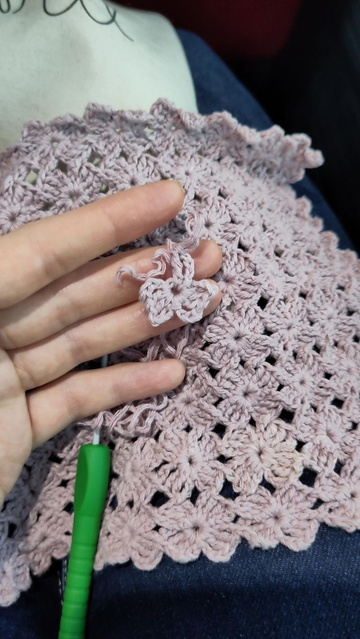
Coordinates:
[261,440]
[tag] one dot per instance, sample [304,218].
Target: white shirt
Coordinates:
[58,55]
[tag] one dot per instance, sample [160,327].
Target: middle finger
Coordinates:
[87,291]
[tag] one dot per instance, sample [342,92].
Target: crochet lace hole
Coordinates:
[267,332]
[356,339]
[159,499]
[338,403]
[228,491]
[299,445]
[280,387]
[113,503]
[157,528]
[222,459]
[317,504]
[271,360]
[286,416]
[64,483]
[94,158]
[349,312]
[152,152]
[205,345]
[340,287]
[262,302]
[252,422]
[303,295]
[69,508]
[242,247]
[353,426]
[278,252]
[213,371]
[265,484]
[111,445]
[130,504]
[308,477]
[62,166]
[55,459]
[217,402]
[104,188]
[316,349]
[194,495]
[11,529]
[338,467]
[327,375]
[220,430]
[31,177]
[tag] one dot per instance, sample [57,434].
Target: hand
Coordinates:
[59,309]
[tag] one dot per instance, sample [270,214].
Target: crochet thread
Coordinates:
[261,441]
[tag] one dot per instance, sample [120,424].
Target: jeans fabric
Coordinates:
[258,594]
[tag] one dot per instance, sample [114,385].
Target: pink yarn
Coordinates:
[261,441]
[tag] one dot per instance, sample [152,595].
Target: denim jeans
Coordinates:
[258,594]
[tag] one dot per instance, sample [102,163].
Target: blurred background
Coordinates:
[301,60]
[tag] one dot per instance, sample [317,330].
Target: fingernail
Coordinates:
[215,288]
[181,186]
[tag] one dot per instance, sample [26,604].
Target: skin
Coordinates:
[58,308]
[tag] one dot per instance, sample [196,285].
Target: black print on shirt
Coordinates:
[48,7]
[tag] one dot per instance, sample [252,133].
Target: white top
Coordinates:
[58,55]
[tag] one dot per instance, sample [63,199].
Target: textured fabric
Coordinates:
[261,440]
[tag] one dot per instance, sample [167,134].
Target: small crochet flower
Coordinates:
[178,295]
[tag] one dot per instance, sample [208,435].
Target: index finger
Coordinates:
[40,252]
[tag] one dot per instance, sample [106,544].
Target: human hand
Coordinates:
[58,309]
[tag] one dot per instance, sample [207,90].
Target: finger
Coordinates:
[108,332]
[78,395]
[87,291]
[40,252]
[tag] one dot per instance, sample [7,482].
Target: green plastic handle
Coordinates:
[92,479]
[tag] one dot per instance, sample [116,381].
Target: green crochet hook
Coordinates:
[92,478]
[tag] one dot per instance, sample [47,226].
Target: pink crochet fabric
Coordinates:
[261,440]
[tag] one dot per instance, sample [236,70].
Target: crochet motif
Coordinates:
[180,294]
[262,440]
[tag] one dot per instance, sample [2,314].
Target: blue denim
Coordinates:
[273,594]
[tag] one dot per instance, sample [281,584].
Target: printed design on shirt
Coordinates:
[101,14]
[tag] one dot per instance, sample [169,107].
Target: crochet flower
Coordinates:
[266,450]
[188,530]
[283,516]
[178,295]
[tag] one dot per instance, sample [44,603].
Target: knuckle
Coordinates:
[76,347]
[72,398]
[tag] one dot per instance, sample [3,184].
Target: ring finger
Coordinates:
[105,333]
